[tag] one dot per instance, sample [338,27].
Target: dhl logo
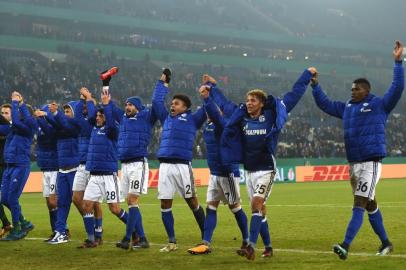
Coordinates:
[329,173]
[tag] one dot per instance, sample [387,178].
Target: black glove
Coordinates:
[168,74]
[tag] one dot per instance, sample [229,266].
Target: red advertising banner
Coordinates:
[341,172]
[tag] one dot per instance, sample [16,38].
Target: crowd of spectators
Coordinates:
[331,19]
[309,132]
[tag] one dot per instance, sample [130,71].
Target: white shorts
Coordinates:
[49,183]
[364,178]
[259,183]
[81,178]
[225,189]
[175,177]
[134,177]
[103,187]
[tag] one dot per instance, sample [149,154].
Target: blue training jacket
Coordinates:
[67,132]
[46,149]
[253,141]
[364,122]
[178,132]
[86,122]
[134,134]
[102,153]
[212,137]
[19,136]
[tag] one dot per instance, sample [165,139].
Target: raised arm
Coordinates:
[333,108]
[91,111]
[393,94]
[86,96]
[225,105]
[211,108]
[24,128]
[111,127]
[78,111]
[158,100]
[117,112]
[292,97]
[68,124]
[44,125]
[50,117]
[199,117]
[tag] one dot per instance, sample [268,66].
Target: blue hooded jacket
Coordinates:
[46,149]
[212,132]
[102,152]
[19,136]
[364,122]
[135,131]
[86,121]
[67,132]
[179,131]
[253,141]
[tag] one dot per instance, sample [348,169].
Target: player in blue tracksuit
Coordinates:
[47,161]
[364,118]
[86,113]
[251,137]
[67,128]
[136,123]
[17,158]
[175,154]
[102,163]
[5,119]
[224,182]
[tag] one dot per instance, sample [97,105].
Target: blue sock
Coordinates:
[266,237]
[123,216]
[242,222]
[375,218]
[354,225]
[98,227]
[167,219]
[131,222]
[52,218]
[199,216]
[88,220]
[255,227]
[209,224]
[21,218]
[138,224]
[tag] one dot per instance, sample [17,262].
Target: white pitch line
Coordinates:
[286,250]
[288,205]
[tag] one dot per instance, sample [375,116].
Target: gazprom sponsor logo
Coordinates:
[254,132]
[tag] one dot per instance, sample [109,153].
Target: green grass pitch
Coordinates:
[305,221]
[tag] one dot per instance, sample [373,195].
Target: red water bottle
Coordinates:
[108,73]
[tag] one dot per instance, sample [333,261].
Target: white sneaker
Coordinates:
[59,238]
[169,247]
[385,250]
